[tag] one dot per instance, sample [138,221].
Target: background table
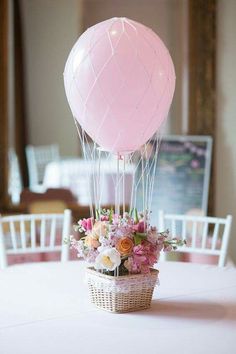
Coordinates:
[44,309]
[77,175]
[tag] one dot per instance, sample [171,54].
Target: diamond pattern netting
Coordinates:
[138,81]
[89,87]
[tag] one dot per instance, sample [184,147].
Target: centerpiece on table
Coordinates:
[119,81]
[123,251]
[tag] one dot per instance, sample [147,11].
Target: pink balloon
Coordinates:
[119,81]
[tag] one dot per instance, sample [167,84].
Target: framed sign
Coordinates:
[182,175]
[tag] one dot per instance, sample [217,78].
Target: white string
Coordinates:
[99,180]
[154,169]
[143,182]
[141,165]
[117,198]
[124,176]
[81,136]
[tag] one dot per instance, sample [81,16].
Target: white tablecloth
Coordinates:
[44,309]
[77,175]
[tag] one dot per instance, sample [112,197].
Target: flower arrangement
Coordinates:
[121,245]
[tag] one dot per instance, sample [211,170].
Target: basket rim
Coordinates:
[93,271]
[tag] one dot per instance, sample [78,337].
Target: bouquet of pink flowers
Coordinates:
[121,244]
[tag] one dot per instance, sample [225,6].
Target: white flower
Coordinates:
[108,259]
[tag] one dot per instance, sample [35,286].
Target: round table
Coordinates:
[44,308]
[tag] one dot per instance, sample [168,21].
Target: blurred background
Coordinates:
[36,38]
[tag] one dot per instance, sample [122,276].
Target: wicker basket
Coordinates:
[121,294]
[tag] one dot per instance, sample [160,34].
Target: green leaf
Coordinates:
[110,216]
[139,237]
[137,240]
[136,216]
[141,234]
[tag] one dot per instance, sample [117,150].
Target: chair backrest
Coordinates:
[15,185]
[204,234]
[37,159]
[34,233]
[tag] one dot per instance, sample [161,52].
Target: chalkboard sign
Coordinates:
[182,175]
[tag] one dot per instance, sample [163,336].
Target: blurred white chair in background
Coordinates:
[15,185]
[204,235]
[34,233]
[37,159]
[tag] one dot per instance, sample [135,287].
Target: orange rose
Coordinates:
[91,242]
[124,246]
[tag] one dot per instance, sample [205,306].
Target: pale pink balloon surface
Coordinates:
[119,81]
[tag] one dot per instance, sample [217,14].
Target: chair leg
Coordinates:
[66,234]
[3,256]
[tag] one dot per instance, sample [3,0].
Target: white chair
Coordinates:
[15,185]
[37,159]
[204,235]
[34,233]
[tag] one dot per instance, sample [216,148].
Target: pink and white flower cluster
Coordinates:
[125,242]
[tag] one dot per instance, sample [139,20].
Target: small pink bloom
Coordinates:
[145,255]
[138,250]
[104,218]
[116,219]
[131,265]
[140,227]
[87,224]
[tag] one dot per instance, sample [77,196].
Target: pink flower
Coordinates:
[140,227]
[104,218]
[131,265]
[91,256]
[144,256]
[86,224]
[116,219]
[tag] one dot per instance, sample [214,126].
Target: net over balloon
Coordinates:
[119,81]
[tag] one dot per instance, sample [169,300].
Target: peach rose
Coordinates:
[124,246]
[99,229]
[91,242]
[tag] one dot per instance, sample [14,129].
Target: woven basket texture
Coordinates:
[123,293]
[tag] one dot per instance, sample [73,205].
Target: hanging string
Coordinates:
[117,187]
[135,177]
[99,180]
[143,182]
[81,137]
[124,177]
